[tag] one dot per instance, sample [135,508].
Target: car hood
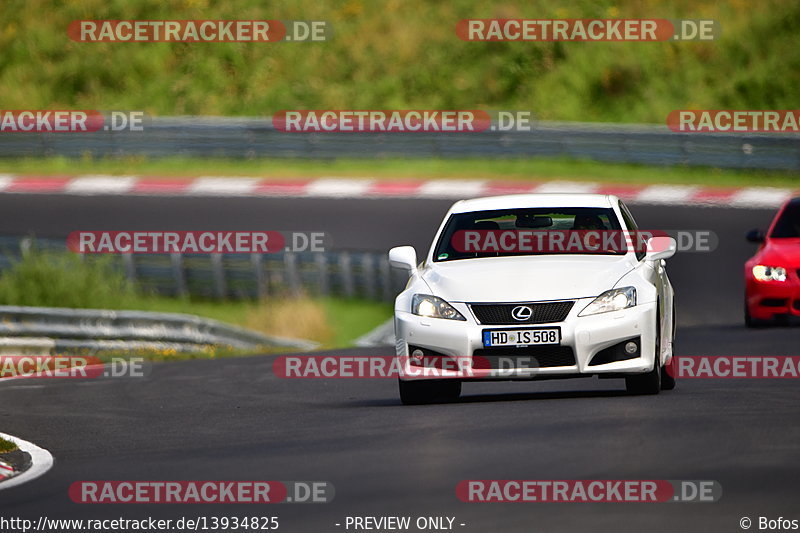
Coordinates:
[780,252]
[518,279]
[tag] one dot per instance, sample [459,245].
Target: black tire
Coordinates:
[650,382]
[668,373]
[751,322]
[429,391]
[748,320]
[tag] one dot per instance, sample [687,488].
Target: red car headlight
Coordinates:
[769,273]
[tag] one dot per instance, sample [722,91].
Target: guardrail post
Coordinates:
[292,276]
[322,271]
[220,289]
[129,266]
[25,244]
[346,273]
[368,272]
[257,260]
[177,274]
[685,144]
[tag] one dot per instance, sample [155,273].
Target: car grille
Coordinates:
[542,313]
[774,302]
[528,357]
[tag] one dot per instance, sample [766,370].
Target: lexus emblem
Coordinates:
[521,313]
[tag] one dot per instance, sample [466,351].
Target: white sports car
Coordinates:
[491,295]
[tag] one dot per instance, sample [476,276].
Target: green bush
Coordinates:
[62,279]
[402,54]
[7,446]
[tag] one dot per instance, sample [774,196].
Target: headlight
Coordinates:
[612,300]
[767,273]
[434,307]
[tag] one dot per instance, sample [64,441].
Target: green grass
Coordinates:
[352,318]
[348,319]
[7,446]
[402,54]
[493,169]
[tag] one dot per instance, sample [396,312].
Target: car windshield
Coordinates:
[526,231]
[788,225]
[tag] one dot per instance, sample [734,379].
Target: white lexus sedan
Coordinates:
[506,306]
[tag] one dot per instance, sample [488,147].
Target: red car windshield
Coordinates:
[788,225]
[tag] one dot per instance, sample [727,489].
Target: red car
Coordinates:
[772,275]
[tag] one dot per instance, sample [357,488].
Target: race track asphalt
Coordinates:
[233,419]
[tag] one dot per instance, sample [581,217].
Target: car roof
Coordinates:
[534,200]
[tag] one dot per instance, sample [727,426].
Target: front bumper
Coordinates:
[586,336]
[765,300]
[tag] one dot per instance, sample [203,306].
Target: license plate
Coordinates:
[521,337]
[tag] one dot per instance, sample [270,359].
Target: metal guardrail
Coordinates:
[251,137]
[349,274]
[68,330]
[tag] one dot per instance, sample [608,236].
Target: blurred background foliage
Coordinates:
[401,54]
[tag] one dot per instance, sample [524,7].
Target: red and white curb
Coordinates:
[6,470]
[41,462]
[221,186]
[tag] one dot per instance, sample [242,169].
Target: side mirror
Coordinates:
[404,257]
[660,248]
[755,236]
